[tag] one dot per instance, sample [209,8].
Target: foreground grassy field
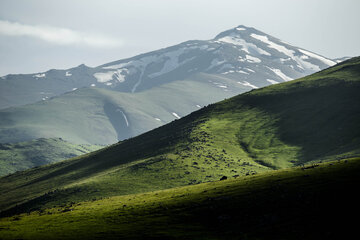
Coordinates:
[312,202]
[313,119]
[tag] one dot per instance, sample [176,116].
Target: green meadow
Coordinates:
[290,153]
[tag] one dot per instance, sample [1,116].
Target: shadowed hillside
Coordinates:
[309,120]
[311,202]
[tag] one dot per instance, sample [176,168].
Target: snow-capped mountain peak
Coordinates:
[243,54]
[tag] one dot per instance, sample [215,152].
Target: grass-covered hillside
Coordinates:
[24,155]
[312,119]
[312,202]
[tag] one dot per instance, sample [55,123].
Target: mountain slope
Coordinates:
[248,56]
[313,202]
[24,155]
[311,119]
[101,116]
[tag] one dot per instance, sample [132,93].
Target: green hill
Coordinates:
[20,156]
[312,202]
[309,120]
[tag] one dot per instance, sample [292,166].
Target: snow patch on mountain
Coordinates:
[241,71]
[120,74]
[104,77]
[141,65]
[250,70]
[40,75]
[68,74]
[230,71]
[245,83]
[313,55]
[280,74]
[134,66]
[171,62]
[247,47]
[214,63]
[125,118]
[176,115]
[290,53]
[272,81]
[273,45]
[252,59]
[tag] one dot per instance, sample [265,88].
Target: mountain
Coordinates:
[101,116]
[143,92]
[305,121]
[23,155]
[250,57]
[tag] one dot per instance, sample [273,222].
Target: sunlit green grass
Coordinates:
[294,203]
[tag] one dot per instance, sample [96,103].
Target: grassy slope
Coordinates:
[315,202]
[92,116]
[24,155]
[312,119]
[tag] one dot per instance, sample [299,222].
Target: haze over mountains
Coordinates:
[245,54]
[125,98]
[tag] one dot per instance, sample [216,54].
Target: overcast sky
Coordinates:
[38,35]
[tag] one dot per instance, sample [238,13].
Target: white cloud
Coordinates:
[61,36]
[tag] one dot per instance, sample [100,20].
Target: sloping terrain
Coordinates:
[100,116]
[311,202]
[315,118]
[20,156]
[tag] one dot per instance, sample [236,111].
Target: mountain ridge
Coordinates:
[163,66]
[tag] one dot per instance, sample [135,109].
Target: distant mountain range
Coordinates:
[249,57]
[125,98]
